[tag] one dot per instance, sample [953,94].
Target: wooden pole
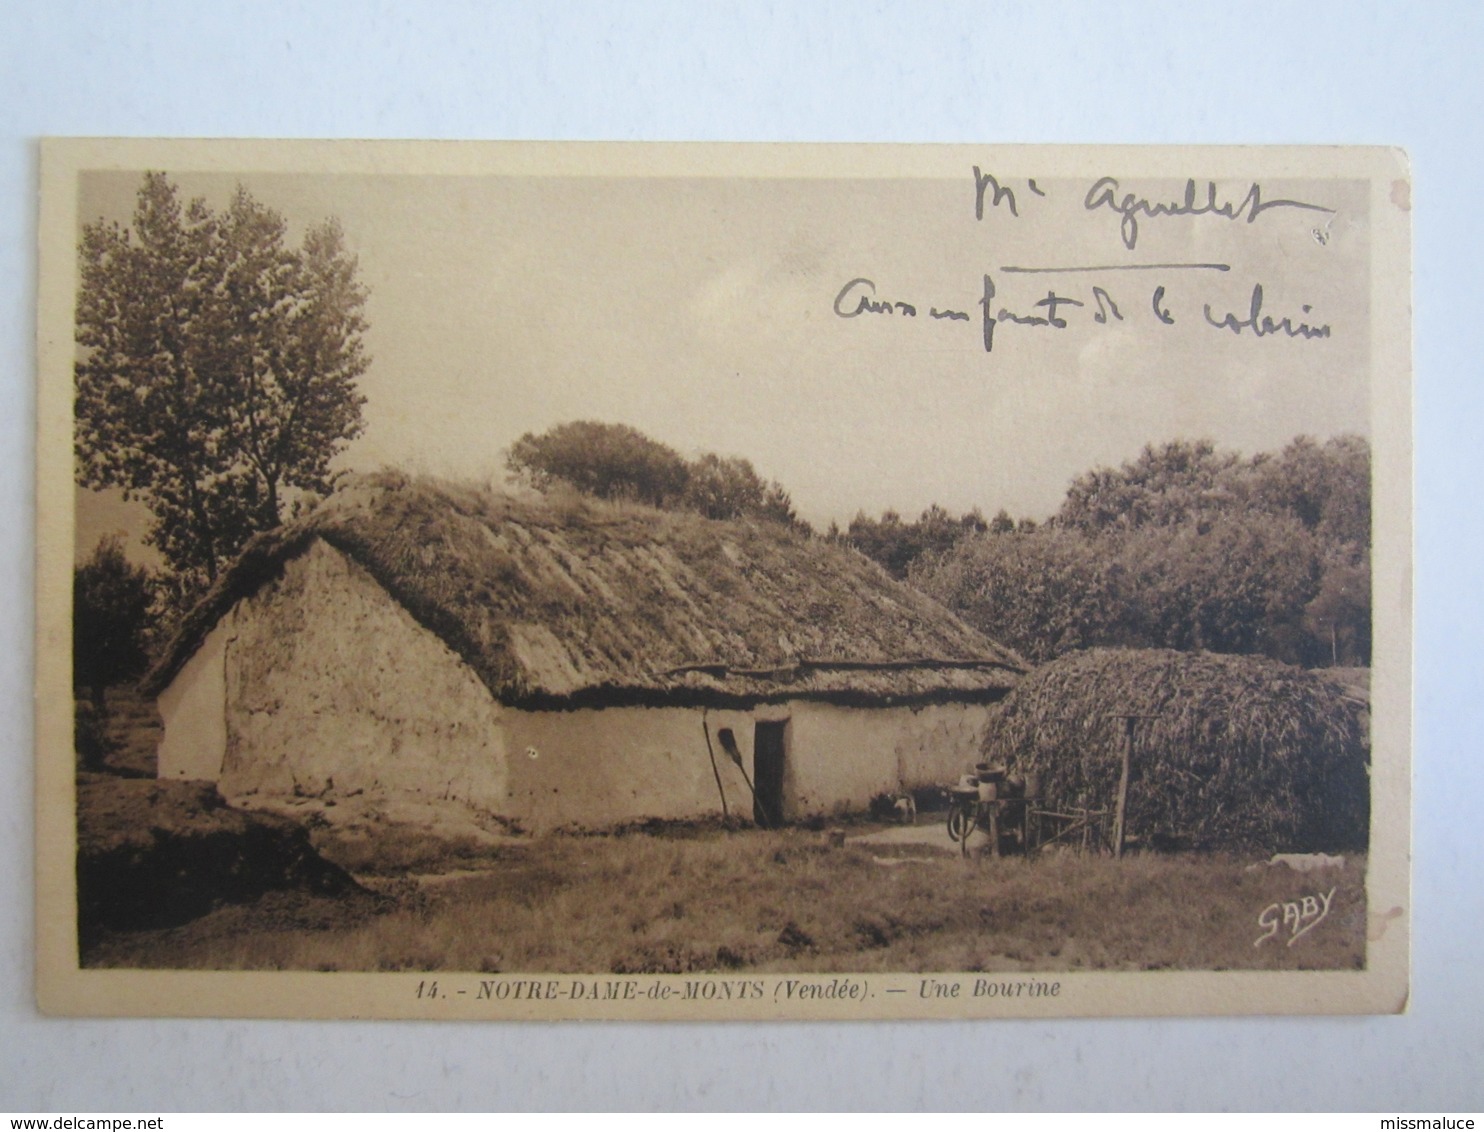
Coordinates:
[751,789]
[725,814]
[1128,754]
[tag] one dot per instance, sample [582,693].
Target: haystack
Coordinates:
[1230,752]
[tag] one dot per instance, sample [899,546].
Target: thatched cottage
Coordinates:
[568,661]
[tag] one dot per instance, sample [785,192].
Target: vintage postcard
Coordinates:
[608,581]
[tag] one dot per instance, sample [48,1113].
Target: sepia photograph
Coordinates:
[699,581]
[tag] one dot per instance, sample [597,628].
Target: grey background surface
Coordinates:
[983,72]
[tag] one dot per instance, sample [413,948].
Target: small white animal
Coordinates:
[905,807]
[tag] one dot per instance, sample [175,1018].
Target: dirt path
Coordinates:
[930,834]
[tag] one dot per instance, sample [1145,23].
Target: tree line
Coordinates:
[1184,547]
[898,544]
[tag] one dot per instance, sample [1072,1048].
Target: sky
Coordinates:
[706,311]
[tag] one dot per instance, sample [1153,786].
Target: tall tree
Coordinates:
[1327,487]
[217,368]
[1169,484]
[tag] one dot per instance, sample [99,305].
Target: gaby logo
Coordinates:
[1298,917]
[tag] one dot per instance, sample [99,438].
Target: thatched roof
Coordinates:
[1228,751]
[564,602]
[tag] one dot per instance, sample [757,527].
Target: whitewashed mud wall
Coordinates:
[845,756]
[602,766]
[596,767]
[937,743]
[194,711]
[328,679]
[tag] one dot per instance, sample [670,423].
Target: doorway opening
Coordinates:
[767,770]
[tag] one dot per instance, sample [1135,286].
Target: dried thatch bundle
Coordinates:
[1232,752]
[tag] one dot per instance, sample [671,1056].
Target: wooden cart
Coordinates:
[1011,812]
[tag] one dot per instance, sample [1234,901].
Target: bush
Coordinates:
[111,601]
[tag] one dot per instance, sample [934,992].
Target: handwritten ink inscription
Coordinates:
[1166,301]
[1055,310]
[1105,193]
[1297,917]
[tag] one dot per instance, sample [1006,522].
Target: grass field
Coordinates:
[783,900]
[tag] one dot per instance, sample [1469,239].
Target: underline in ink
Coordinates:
[1119,267]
